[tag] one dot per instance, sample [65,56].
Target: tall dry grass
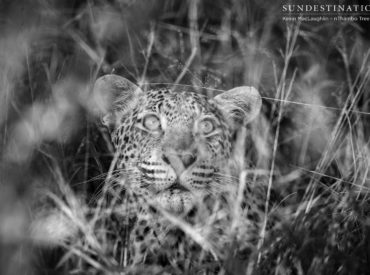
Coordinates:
[310,145]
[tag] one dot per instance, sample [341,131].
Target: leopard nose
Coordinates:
[188,159]
[179,162]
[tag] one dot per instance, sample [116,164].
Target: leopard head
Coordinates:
[172,145]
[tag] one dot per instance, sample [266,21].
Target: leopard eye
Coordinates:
[151,122]
[206,126]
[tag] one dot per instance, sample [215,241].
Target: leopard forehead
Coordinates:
[176,104]
[179,109]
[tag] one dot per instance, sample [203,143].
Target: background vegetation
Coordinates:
[311,141]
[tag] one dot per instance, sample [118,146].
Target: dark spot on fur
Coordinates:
[143,223]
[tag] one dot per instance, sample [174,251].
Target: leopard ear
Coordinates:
[114,96]
[241,104]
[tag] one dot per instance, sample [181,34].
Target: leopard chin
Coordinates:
[175,201]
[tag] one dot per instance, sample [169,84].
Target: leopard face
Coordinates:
[173,146]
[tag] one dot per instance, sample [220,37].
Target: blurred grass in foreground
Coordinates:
[311,142]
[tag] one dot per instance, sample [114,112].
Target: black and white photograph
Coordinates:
[227,137]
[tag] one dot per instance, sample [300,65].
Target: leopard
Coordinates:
[174,147]
[173,166]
